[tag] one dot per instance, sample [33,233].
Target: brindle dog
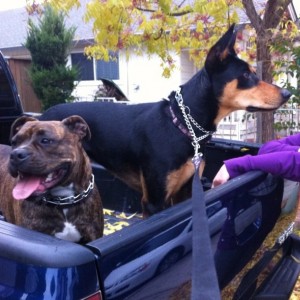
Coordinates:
[50,186]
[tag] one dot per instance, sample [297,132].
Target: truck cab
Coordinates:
[10,107]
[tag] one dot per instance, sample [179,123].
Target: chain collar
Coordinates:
[178,124]
[67,201]
[189,121]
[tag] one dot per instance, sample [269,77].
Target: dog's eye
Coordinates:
[246,75]
[46,141]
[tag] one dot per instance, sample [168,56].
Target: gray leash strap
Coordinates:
[205,284]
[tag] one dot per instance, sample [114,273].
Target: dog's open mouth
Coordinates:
[28,184]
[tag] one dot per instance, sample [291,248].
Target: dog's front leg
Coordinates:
[179,182]
[153,193]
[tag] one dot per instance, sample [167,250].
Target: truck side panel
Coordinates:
[130,258]
[42,267]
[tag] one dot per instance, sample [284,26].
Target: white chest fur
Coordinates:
[69,233]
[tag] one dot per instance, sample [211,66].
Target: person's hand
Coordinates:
[221,177]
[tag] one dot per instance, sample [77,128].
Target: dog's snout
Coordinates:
[19,155]
[285,94]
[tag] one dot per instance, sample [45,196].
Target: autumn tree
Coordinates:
[165,27]
[156,27]
[264,24]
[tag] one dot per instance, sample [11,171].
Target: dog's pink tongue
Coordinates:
[25,187]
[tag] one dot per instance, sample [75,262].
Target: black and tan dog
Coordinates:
[149,146]
[50,186]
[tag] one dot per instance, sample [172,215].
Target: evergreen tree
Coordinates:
[49,43]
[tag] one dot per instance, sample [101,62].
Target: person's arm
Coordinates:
[281,156]
[285,164]
[290,143]
[221,177]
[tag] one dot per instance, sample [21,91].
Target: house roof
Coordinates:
[14,26]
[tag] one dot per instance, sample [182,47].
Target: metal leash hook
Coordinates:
[197,156]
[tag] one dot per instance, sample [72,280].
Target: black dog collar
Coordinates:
[66,201]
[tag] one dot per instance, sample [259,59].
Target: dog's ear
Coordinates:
[221,50]
[16,126]
[77,125]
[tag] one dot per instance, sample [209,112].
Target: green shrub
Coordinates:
[49,43]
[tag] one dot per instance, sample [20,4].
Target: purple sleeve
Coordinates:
[285,164]
[290,143]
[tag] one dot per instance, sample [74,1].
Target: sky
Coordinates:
[5,5]
[11,4]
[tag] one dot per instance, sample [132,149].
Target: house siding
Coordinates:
[187,67]
[19,70]
[144,78]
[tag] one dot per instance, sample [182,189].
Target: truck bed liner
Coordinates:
[280,268]
[281,281]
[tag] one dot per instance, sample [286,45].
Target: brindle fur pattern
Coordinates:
[49,146]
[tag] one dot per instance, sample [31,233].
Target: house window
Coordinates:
[91,69]
[84,65]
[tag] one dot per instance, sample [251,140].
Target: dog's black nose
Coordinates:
[285,94]
[19,155]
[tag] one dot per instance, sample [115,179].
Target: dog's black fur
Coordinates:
[147,146]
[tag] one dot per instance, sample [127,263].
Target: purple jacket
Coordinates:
[278,157]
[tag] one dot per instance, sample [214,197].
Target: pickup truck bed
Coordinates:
[120,263]
[35,264]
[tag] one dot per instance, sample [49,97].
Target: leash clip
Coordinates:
[197,155]
[196,146]
[197,159]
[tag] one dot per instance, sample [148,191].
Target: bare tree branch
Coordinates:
[274,12]
[175,14]
[253,16]
[180,5]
